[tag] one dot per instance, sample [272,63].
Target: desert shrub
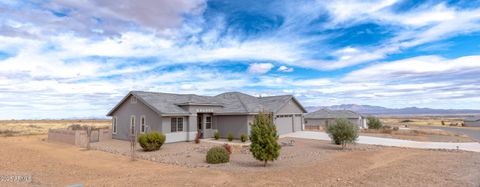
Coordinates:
[243,137]
[396,128]
[342,132]
[443,123]
[406,121]
[217,155]
[197,137]
[8,132]
[230,136]
[151,141]
[76,127]
[374,123]
[216,135]
[228,148]
[263,135]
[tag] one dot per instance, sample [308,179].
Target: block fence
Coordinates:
[77,137]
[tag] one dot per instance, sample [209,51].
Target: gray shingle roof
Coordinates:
[236,102]
[230,102]
[331,114]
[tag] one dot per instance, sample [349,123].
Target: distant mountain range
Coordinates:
[378,110]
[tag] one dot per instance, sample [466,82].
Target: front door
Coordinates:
[199,124]
[208,126]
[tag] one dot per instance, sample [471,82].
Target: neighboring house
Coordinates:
[472,122]
[324,117]
[179,116]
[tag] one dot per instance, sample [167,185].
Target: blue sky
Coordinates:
[62,59]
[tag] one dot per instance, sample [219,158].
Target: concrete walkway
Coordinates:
[470,146]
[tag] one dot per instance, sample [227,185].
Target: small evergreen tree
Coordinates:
[343,132]
[374,123]
[263,138]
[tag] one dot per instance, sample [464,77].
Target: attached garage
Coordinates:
[288,123]
[288,115]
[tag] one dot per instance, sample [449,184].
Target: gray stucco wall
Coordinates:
[235,124]
[126,109]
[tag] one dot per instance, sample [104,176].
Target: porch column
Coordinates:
[192,126]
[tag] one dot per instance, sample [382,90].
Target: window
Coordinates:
[208,122]
[180,124]
[114,124]
[142,124]
[132,124]
[176,125]
[133,100]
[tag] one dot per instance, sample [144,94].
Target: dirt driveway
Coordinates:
[52,164]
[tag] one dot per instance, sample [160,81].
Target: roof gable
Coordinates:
[332,114]
[275,103]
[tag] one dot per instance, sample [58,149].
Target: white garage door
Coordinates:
[284,124]
[297,122]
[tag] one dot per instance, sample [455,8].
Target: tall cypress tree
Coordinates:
[263,138]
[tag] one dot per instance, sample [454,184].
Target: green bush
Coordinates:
[343,132]
[263,138]
[230,136]
[243,137]
[374,123]
[217,155]
[151,141]
[216,135]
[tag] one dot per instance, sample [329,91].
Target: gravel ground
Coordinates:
[192,155]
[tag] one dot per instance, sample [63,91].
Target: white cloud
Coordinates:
[420,25]
[422,66]
[285,69]
[260,68]
[109,18]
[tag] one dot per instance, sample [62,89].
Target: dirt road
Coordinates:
[52,164]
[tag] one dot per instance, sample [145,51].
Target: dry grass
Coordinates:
[36,127]
[418,135]
[420,121]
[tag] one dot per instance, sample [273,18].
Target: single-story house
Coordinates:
[179,116]
[472,122]
[323,117]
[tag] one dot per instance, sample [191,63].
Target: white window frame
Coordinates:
[114,124]
[143,124]
[176,120]
[132,125]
